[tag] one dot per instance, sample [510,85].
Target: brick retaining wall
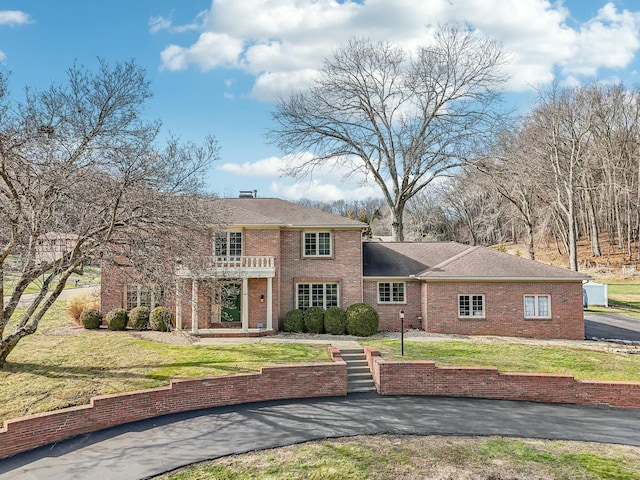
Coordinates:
[272,383]
[425,378]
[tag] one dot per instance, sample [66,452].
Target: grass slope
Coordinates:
[582,364]
[413,457]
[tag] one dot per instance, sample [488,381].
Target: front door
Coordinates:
[227,301]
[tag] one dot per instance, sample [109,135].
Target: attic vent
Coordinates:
[248,194]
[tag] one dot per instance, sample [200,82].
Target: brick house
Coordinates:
[457,289]
[275,256]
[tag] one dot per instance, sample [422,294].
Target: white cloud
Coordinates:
[334,182]
[282,42]
[267,167]
[317,190]
[159,23]
[2,56]
[162,23]
[210,51]
[609,40]
[14,17]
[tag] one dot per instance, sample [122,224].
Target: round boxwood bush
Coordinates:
[117,319]
[294,321]
[139,318]
[91,318]
[314,320]
[362,320]
[335,321]
[161,319]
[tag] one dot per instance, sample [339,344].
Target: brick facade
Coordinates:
[434,275]
[504,307]
[390,312]
[343,267]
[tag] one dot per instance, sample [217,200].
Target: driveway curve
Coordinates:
[611,326]
[151,447]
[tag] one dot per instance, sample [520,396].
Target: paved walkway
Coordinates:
[150,447]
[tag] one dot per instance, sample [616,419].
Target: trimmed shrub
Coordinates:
[314,320]
[294,321]
[91,318]
[117,319]
[362,320]
[161,319]
[139,318]
[335,321]
[76,305]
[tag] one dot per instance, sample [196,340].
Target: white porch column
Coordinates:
[269,304]
[194,305]
[244,312]
[178,304]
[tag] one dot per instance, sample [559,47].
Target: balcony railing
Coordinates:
[243,262]
[231,267]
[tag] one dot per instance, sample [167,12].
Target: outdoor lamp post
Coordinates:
[402,332]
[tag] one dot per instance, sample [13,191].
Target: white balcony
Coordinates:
[231,267]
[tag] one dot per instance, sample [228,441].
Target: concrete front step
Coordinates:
[358,375]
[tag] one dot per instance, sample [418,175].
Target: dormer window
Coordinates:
[317,244]
[228,245]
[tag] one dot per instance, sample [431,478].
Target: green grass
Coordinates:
[583,364]
[414,457]
[90,276]
[624,295]
[62,367]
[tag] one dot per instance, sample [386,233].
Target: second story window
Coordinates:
[228,245]
[317,244]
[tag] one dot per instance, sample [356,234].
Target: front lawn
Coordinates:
[583,364]
[417,458]
[60,367]
[624,294]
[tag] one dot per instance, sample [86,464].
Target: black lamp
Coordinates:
[402,332]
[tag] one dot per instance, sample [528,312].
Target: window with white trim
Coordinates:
[391,292]
[537,306]
[471,306]
[317,244]
[228,245]
[323,295]
[143,296]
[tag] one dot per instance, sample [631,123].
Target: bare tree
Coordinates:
[82,176]
[403,119]
[516,176]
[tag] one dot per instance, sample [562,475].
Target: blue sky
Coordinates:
[216,66]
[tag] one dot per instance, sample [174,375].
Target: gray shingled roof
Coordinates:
[277,212]
[451,261]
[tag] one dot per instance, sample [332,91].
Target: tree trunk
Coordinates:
[593,225]
[397,225]
[7,345]
[571,227]
[532,252]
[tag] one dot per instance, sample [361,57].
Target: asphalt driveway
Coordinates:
[611,326]
[150,447]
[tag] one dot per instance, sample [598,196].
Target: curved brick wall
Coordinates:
[272,383]
[425,378]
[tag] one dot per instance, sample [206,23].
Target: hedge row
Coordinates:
[139,318]
[358,319]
